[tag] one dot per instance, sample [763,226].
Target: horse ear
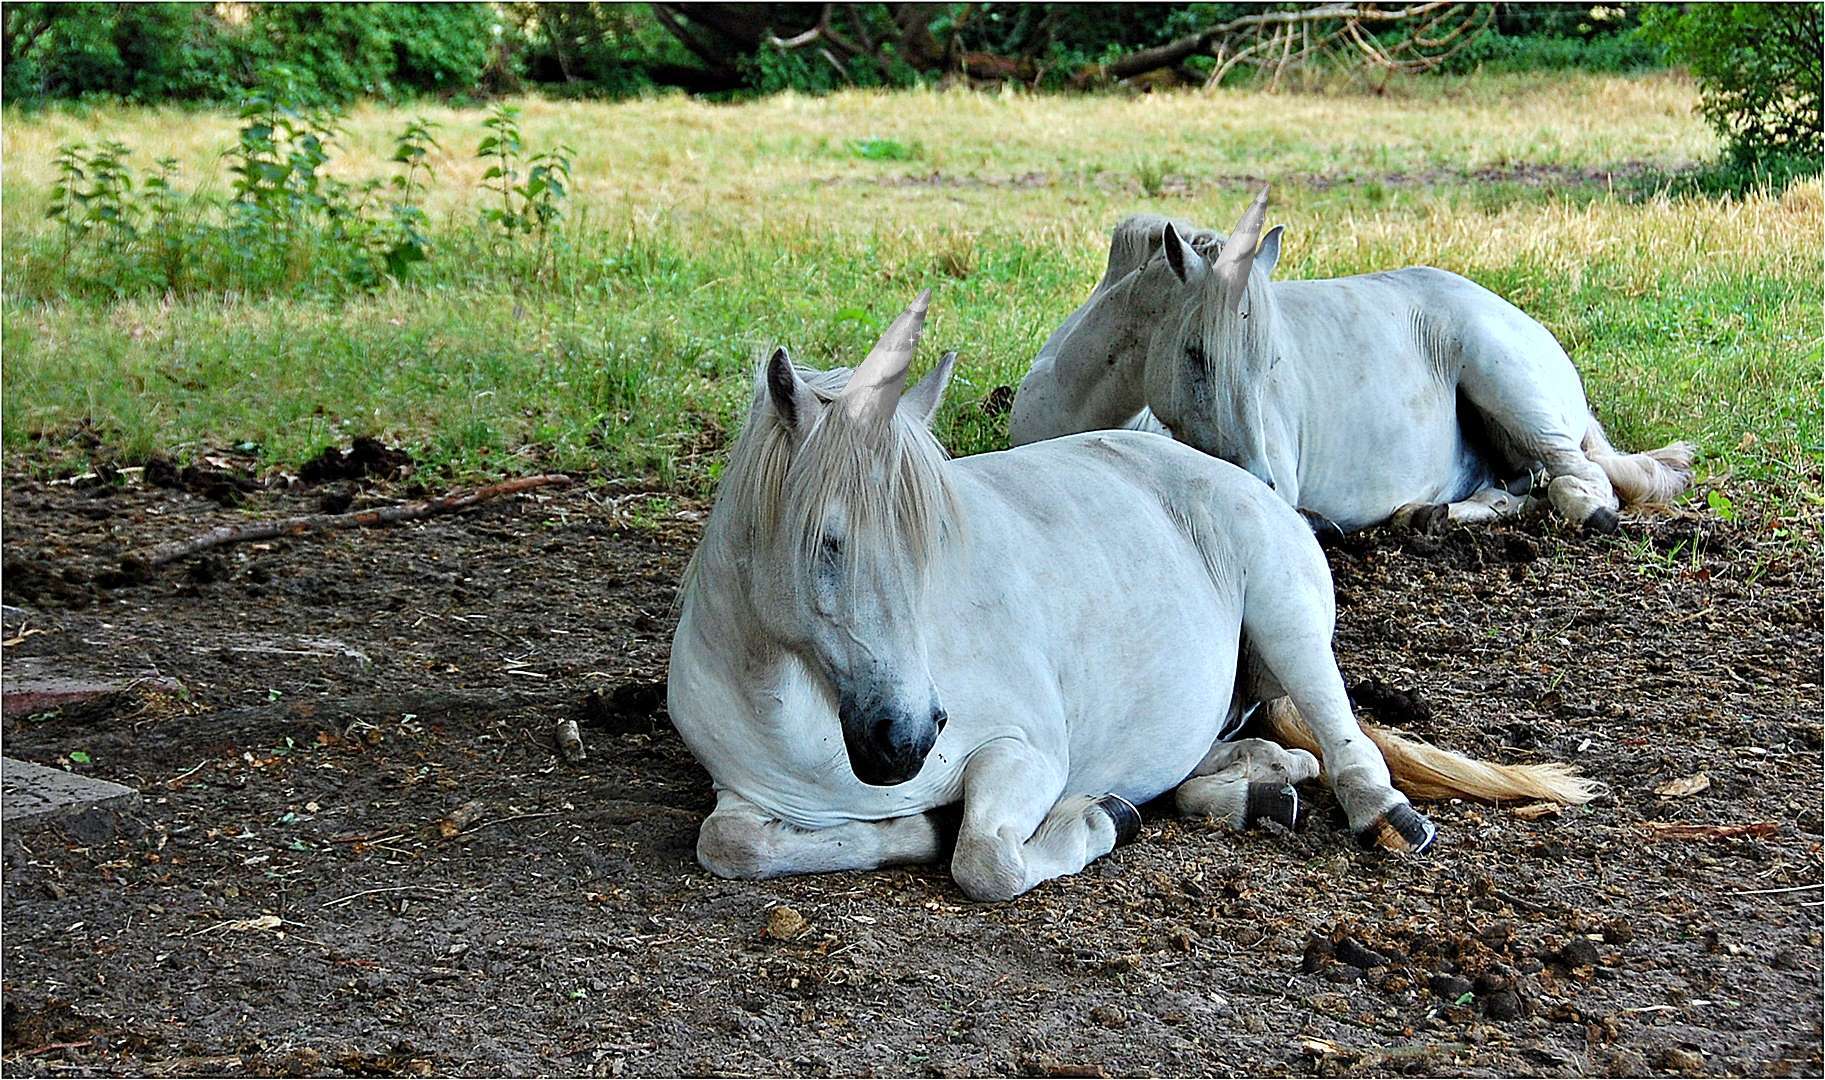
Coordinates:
[1186,263]
[928,393]
[1237,258]
[793,401]
[1268,256]
[879,380]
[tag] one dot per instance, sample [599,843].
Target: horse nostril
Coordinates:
[941,718]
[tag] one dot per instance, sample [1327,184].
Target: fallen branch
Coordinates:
[53,1047]
[1180,49]
[1675,830]
[145,560]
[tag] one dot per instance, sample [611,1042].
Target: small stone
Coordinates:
[1503,1005]
[1618,932]
[1626,1062]
[1182,938]
[1343,973]
[1449,987]
[1680,1059]
[1577,953]
[1351,951]
[1492,983]
[1109,1016]
[785,923]
[1788,960]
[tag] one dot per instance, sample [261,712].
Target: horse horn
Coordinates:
[877,383]
[1237,258]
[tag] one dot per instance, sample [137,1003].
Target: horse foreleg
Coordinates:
[1488,504]
[740,840]
[1485,505]
[1017,831]
[1245,781]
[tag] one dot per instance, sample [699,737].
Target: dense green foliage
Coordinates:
[191,52]
[203,53]
[1759,71]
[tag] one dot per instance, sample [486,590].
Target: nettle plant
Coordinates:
[531,189]
[286,221]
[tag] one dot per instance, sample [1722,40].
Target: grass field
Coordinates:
[699,234]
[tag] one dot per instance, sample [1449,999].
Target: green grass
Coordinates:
[699,235]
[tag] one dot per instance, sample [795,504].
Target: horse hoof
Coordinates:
[1271,802]
[1126,818]
[1323,528]
[1427,519]
[1602,522]
[1400,828]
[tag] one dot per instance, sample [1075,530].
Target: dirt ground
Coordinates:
[358,853]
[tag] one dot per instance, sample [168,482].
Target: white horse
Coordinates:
[1408,395]
[870,632]
[1095,382]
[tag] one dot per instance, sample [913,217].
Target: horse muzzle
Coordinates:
[888,747]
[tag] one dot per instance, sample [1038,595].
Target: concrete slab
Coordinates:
[33,684]
[33,794]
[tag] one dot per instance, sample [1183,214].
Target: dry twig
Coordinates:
[146,559]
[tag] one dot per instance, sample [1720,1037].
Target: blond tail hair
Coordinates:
[1653,478]
[1423,771]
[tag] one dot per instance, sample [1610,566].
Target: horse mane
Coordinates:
[1227,339]
[899,498]
[1138,237]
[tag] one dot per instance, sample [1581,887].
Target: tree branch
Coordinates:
[1181,49]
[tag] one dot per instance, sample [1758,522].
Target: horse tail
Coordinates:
[1424,771]
[1653,478]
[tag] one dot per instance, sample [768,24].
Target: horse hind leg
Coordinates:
[1245,782]
[1287,620]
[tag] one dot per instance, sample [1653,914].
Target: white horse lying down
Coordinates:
[1408,395]
[870,632]
[1085,388]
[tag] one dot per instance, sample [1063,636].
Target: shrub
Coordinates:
[190,52]
[344,51]
[1759,72]
[137,52]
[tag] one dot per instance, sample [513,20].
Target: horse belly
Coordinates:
[1408,448]
[1159,701]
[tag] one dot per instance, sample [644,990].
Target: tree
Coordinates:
[1760,77]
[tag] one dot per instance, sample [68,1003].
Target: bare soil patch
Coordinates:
[359,853]
[1527,174]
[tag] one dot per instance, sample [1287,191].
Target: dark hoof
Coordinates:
[1602,522]
[1326,530]
[1126,818]
[1428,520]
[1271,802]
[1401,828]
[1532,479]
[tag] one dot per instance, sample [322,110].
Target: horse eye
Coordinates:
[830,549]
